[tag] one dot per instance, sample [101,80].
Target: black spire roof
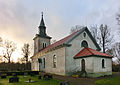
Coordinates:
[42,21]
[42,29]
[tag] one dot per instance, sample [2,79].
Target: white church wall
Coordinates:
[36,44]
[98,64]
[89,64]
[34,65]
[60,64]
[74,49]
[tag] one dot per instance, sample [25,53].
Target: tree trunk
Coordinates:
[103,45]
[9,60]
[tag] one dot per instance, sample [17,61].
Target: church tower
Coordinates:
[41,39]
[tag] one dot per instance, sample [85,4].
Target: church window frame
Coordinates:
[84,34]
[84,43]
[54,61]
[44,62]
[44,45]
[103,63]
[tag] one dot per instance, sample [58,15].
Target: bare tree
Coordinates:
[118,18]
[118,22]
[21,60]
[95,32]
[9,48]
[75,28]
[116,52]
[105,37]
[1,46]
[26,52]
[102,35]
[1,42]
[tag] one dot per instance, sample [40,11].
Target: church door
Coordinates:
[83,64]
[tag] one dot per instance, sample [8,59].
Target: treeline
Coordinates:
[15,66]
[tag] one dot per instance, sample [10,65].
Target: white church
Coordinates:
[76,52]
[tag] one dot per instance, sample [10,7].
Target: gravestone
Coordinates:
[65,83]
[25,74]
[50,76]
[3,76]
[47,77]
[32,74]
[13,79]
[39,77]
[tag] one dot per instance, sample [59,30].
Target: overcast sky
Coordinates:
[19,19]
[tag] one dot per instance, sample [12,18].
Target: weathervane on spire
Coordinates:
[42,14]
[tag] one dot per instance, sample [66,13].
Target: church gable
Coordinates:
[84,31]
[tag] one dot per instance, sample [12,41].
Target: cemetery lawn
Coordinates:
[35,78]
[110,81]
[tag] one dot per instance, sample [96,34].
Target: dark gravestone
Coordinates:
[39,77]
[32,74]
[65,83]
[13,79]
[50,76]
[47,77]
[3,76]
[25,74]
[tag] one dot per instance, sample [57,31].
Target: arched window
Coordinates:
[103,63]
[54,61]
[43,45]
[84,44]
[84,34]
[44,62]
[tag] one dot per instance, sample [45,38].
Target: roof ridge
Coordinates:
[87,52]
[67,36]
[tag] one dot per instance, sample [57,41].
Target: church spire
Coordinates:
[42,21]
[42,28]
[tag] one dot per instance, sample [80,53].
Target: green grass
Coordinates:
[113,72]
[111,81]
[35,78]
